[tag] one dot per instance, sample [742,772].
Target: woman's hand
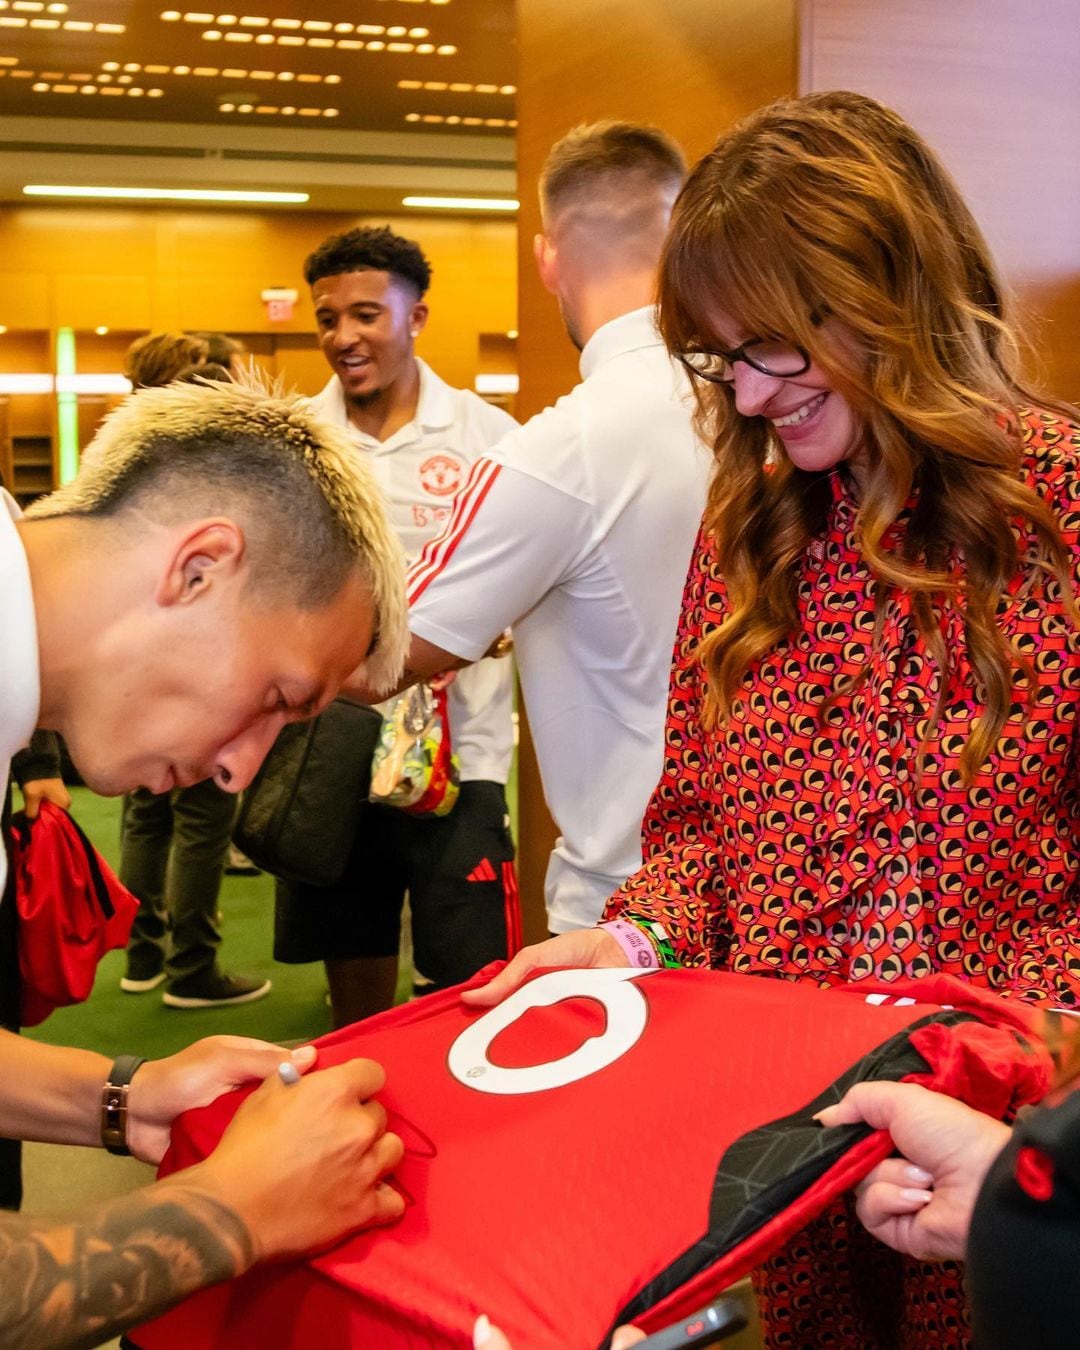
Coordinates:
[585,947]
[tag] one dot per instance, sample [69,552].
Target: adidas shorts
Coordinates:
[458,871]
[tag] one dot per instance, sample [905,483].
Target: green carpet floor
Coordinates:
[116,1023]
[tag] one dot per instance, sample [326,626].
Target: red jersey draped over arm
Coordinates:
[786,842]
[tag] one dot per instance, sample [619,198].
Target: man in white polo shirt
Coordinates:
[576,531]
[420,437]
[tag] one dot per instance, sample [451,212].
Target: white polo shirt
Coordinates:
[577,531]
[420,468]
[20,682]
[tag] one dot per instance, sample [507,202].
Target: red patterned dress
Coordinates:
[801,845]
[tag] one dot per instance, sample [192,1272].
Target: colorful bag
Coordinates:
[414,767]
[72,909]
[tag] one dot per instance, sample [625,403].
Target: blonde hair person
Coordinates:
[871,761]
[216,573]
[311,519]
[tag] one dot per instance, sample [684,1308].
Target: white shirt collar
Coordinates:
[434,410]
[20,676]
[624,334]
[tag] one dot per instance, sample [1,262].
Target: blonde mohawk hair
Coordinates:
[311,507]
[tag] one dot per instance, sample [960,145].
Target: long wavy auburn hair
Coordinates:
[828,222]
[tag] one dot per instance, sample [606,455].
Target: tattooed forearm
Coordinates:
[75,1282]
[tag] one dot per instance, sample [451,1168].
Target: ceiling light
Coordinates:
[211,35]
[133,66]
[148,194]
[350,45]
[419,32]
[462,203]
[171,15]
[56,9]
[226,107]
[317,26]
[110,65]
[425,48]
[181,70]
[226,19]
[331,79]
[448,49]
[3,328]
[254,21]
[285,23]
[101,330]
[44,23]
[193,16]
[344,27]
[109,28]
[156,70]
[238,37]
[155,93]
[399,31]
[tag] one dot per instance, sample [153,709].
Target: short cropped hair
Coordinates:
[310,507]
[158,358]
[592,152]
[370,248]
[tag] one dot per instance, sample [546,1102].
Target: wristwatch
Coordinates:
[114,1103]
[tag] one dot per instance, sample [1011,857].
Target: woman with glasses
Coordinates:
[871,768]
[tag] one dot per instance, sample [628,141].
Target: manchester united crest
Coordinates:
[441,475]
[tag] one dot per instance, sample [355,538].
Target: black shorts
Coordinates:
[458,871]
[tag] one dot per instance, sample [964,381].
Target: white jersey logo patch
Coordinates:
[627,1015]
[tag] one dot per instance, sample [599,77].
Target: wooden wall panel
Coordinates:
[995,89]
[142,269]
[691,67]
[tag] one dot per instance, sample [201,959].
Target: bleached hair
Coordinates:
[310,507]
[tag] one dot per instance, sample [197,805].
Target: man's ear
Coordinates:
[547,262]
[204,555]
[418,317]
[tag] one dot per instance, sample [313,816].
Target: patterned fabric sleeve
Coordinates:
[1047,963]
[679,885]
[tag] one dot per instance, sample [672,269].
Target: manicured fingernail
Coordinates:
[304,1054]
[915,1197]
[481,1332]
[918,1175]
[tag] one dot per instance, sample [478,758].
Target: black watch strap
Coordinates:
[114,1103]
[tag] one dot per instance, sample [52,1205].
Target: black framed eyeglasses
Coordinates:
[770,356]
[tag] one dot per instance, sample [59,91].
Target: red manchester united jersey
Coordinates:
[604,1145]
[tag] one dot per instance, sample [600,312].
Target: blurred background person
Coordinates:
[174,844]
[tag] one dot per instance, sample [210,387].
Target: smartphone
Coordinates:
[720,1319]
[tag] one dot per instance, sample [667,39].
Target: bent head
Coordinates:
[826,223]
[243,568]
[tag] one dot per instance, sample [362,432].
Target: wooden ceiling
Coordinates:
[440,66]
[358,104]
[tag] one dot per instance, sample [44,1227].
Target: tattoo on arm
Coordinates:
[67,1283]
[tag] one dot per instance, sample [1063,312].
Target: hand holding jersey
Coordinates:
[921,1202]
